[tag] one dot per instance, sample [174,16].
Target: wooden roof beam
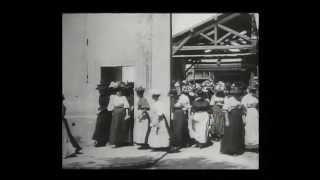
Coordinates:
[223,37]
[191,48]
[234,32]
[184,41]
[213,55]
[207,37]
[225,19]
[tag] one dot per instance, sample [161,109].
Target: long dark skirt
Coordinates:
[179,128]
[218,125]
[233,139]
[102,129]
[129,124]
[119,128]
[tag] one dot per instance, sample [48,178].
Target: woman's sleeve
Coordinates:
[212,101]
[110,105]
[160,109]
[125,102]
[226,105]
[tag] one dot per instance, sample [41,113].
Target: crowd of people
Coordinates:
[200,113]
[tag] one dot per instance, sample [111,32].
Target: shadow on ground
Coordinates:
[195,163]
[140,162]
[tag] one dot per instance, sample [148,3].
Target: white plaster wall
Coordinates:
[161,57]
[140,40]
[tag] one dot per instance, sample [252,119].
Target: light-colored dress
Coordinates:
[141,123]
[67,148]
[251,120]
[199,126]
[159,134]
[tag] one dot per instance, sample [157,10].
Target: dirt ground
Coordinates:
[129,157]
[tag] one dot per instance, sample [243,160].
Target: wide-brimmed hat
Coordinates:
[186,88]
[184,82]
[192,93]
[101,86]
[113,85]
[140,89]
[173,92]
[235,90]
[155,92]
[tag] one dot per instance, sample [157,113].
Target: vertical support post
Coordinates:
[215,34]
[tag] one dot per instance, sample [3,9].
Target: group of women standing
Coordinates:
[115,116]
[196,117]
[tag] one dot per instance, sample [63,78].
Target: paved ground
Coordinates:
[187,158]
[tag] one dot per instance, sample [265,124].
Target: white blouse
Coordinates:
[117,101]
[249,101]
[230,103]
[215,99]
[184,102]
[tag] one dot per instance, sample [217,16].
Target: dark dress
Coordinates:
[218,116]
[233,139]
[119,127]
[102,129]
[180,127]
[130,121]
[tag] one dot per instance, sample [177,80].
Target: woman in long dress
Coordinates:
[70,147]
[200,116]
[120,113]
[102,129]
[217,102]
[180,120]
[251,119]
[159,135]
[142,121]
[232,142]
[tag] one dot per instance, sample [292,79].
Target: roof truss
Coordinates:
[224,42]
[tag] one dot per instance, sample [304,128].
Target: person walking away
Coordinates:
[70,147]
[120,113]
[232,142]
[142,121]
[159,138]
[200,120]
[251,119]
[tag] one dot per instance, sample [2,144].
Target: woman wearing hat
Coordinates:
[217,102]
[200,120]
[233,139]
[142,121]
[102,128]
[251,119]
[159,134]
[180,119]
[120,113]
